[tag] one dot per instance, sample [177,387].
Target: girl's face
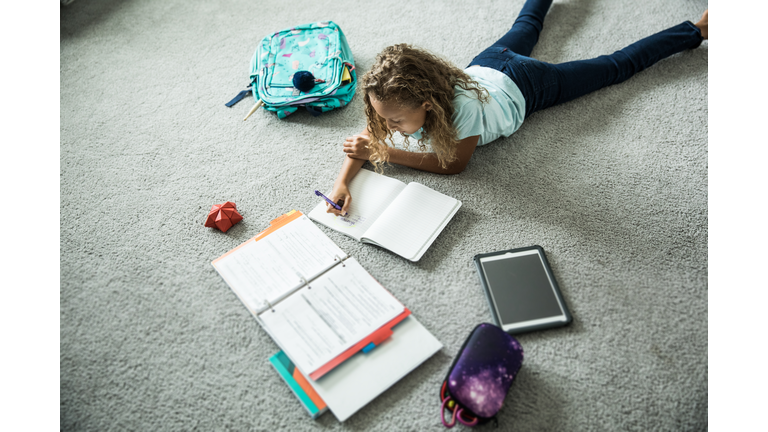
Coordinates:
[401,119]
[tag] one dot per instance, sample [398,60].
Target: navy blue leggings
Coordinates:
[545,84]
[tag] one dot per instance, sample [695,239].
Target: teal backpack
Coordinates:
[309,65]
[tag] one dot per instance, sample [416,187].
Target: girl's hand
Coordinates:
[356,147]
[341,196]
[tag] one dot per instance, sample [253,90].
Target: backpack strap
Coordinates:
[315,111]
[239,97]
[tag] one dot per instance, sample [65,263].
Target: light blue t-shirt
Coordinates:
[500,117]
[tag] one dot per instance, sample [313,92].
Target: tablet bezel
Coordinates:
[523,326]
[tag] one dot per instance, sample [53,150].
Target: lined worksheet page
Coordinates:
[371,194]
[267,269]
[413,220]
[315,325]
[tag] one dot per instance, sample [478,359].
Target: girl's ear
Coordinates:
[427,106]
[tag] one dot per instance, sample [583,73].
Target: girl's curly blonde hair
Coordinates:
[408,77]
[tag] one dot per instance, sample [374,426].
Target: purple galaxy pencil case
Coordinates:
[480,376]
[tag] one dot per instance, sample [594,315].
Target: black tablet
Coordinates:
[521,290]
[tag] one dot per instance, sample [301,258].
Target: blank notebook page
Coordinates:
[412,220]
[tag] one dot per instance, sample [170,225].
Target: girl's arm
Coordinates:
[421,161]
[429,161]
[349,168]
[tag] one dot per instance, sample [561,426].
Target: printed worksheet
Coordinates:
[336,311]
[262,272]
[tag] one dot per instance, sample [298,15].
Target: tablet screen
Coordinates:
[521,291]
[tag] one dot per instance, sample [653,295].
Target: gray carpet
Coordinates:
[613,186]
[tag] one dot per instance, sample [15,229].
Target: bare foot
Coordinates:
[703,24]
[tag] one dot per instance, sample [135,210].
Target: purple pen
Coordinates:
[336,206]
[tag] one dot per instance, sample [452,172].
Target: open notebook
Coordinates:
[319,305]
[405,219]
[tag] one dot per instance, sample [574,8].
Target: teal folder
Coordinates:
[286,369]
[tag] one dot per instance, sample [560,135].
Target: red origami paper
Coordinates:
[223,216]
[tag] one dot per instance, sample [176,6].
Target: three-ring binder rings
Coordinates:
[318,304]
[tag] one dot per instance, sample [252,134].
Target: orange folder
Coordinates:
[273,226]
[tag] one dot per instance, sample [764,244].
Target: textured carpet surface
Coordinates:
[613,186]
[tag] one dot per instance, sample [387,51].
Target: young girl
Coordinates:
[425,98]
